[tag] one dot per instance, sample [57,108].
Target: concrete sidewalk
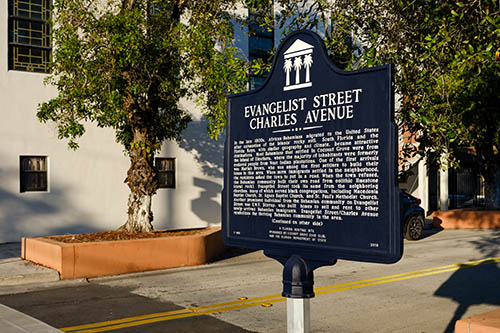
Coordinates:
[12,321]
[13,272]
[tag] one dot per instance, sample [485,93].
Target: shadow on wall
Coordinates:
[10,250]
[474,284]
[467,219]
[207,207]
[208,153]
[37,214]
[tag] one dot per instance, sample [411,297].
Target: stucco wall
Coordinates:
[86,190]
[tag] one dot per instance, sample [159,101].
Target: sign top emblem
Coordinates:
[297,57]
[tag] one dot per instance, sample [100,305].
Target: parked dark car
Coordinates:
[412,216]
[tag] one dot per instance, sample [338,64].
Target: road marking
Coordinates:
[267,300]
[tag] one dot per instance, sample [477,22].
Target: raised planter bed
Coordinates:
[488,322]
[101,258]
[467,219]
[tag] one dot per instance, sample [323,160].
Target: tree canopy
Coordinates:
[448,78]
[125,64]
[447,75]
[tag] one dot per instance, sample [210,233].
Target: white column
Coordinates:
[423,185]
[298,315]
[443,189]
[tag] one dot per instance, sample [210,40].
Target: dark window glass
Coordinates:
[29,39]
[155,8]
[165,168]
[33,173]
[256,81]
[260,44]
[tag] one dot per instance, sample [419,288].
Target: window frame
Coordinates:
[24,187]
[14,34]
[160,171]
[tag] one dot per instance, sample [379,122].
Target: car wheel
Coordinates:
[414,227]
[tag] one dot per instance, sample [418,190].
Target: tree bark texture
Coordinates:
[141,179]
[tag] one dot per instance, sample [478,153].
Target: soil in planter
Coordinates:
[121,235]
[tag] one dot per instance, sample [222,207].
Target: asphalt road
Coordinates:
[446,276]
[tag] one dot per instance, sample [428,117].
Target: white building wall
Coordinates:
[86,190]
[196,200]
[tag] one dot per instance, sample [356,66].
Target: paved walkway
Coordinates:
[12,321]
[15,271]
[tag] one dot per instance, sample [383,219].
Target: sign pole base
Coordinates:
[298,282]
[298,315]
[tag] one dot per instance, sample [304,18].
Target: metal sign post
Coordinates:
[298,283]
[298,315]
[310,168]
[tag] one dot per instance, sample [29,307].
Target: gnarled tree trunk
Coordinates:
[141,179]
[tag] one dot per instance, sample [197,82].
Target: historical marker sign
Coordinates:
[310,162]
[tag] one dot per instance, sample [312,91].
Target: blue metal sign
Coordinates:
[310,162]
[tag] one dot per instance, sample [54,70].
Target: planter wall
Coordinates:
[466,219]
[93,259]
[488,322]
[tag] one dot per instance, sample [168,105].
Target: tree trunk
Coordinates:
[492,189]
[140,215]
[141,179]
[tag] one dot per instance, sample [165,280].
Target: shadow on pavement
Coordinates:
[489,245]
[430,232]
[233,252]
[474,284]
[93,303]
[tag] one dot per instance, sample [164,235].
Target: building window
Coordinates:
[33,173]
[165,168]
[29,35]
[260,45]
[155,8]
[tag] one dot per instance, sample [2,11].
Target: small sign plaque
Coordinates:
[310,161]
